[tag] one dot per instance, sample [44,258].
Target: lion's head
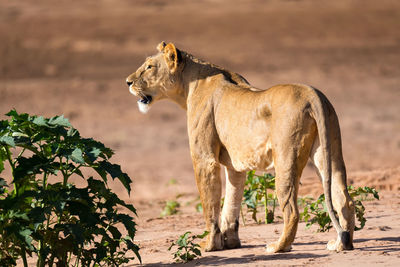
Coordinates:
[156,78]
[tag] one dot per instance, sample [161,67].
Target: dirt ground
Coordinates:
[72,58]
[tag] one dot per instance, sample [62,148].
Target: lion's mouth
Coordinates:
[146,99]
[144,103]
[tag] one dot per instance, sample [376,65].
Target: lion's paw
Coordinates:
[343,242]
[335,245]
[274,248]
[231,243]
[213,244]
[231,239]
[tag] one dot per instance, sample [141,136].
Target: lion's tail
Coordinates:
[320,113]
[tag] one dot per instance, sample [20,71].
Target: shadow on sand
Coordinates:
[386,244]
[390,244]
[242,260]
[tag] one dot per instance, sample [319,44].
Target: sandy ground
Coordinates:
[72,59]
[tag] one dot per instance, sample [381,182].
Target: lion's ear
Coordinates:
[161,46]
[171,57]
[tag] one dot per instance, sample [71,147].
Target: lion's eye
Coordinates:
[149,67]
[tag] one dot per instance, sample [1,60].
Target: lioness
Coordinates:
[245,128]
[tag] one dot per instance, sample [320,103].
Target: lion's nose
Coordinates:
[129,83]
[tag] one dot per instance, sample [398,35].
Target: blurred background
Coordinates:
[72,58]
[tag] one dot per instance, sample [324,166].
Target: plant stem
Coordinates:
[65,180]
[24,257]
[40,261]
[266,205]
[12,164]
[77,168]
[45,180]
[64,173]
[20,153]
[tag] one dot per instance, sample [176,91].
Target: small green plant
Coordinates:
[360,194]
[43,213]
[199,207]
[171,208]
[187,249]
[256,194]
[315,212]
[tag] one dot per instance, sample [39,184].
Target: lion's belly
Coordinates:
[248,147]
[246,158]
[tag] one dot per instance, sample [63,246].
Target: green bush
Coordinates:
[59,222]
[256,194]
[315,212]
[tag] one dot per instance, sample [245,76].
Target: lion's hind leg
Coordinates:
[291,145]
[286,184]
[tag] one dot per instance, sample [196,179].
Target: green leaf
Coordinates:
[25,234]
[101,172]
[30,166]
[114,231]
[93,154]
[135,249]
[183,239]
[3,157]
[3,185]
[40,121]
[77,156]
[3,125]
[199,207]
[197,252]
[128,222]
[204,234]
[115,171]
[7,140]
[19,134]
[73,133]
[12,113]
[59,121]
[128,206]
[98,188]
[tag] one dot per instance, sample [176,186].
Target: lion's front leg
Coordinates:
[231,210]
[208,181]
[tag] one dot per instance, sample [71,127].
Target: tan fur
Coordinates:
[245,128]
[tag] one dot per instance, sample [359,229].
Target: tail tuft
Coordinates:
[345,239]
